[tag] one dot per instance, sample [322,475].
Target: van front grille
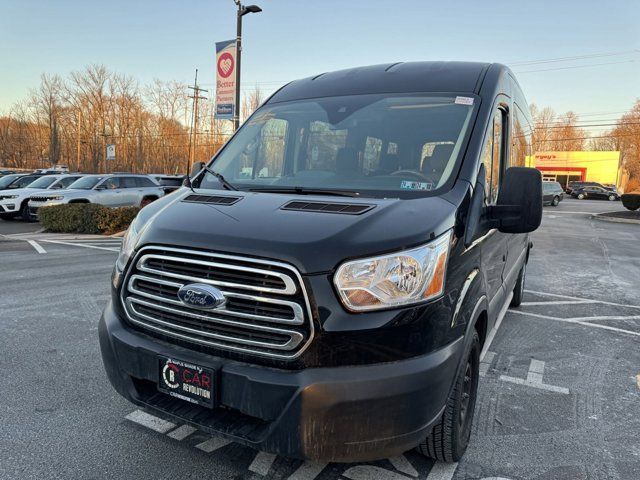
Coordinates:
[266,312]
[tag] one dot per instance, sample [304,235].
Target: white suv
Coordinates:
[110,190]
[14,202]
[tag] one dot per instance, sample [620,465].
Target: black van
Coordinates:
[323,288]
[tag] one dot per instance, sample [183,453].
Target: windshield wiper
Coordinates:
[220,178]
[306,191]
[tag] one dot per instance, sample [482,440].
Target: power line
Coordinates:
[576,57]
[573,67]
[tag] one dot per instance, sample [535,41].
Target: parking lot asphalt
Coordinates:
[559,396]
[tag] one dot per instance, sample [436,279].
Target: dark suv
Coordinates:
[552,193]
[325,286]
[594,193]
[573,186]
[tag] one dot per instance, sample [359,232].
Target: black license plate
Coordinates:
[186,381]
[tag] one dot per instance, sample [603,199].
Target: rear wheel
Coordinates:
[518,290]
[450,436]
[581,196]
[146,201]
[555,201]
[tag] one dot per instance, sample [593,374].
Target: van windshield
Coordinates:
[373,145]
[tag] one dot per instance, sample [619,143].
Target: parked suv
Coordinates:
[552,193]
[325,288]
[595,193]
[111,190]
[169,183]
[18,180]
[573,186]
[16,202]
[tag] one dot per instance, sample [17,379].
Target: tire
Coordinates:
[146,201]
[581,196]
[450,436]
[24,212]
[555,201]
[612,198]
[518,290]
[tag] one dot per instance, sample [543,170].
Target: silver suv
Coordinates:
[111,190]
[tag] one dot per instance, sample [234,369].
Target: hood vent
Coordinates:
[326,207]
[212,199]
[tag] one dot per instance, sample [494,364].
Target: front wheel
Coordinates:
[24,212]
[518,290]
[450,436]
[581,196]
[612,198]
[555,201]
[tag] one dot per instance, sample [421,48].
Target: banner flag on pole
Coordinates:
[225,79]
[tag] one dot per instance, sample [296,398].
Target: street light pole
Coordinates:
[242,11]
[236,113]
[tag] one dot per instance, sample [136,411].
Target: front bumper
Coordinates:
[7,207]
[349,413]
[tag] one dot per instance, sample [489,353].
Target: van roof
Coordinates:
[402,77]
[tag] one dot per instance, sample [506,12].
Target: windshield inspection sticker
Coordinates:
[409,185]
[464,100]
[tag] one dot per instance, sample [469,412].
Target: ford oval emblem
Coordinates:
[201,296]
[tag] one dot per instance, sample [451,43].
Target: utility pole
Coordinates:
[242,11]
[194,120]
[78,141]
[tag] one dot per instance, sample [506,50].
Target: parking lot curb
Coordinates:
[606,217]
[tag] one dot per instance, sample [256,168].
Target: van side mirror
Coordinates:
[519,205]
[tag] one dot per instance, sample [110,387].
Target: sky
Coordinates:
[169,39]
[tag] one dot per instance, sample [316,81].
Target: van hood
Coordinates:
[314,242]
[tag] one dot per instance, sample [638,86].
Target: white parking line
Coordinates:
[486,362]
[547,294]
[81,245]
[582,322]
[403,465]
[534,378]
[36,246]
[214,443]
[371,472]
[558,302]
[262,463]
[307,471]
[182,432]
[442,471]
[150,421]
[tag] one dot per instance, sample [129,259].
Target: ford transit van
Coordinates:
[324,287]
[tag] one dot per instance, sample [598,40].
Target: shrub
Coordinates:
[631,201]
[86,218]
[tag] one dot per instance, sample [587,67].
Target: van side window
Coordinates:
[492,156]
[520,140]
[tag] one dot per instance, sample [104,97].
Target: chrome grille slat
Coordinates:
[267,312]
[289,289]
[294,341]
[297,319]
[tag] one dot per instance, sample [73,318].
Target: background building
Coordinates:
[563,167]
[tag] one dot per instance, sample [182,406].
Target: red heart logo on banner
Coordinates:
[225,65]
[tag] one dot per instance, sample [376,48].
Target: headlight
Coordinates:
[8,197]
[397,279]
[129,242]
[59,197]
